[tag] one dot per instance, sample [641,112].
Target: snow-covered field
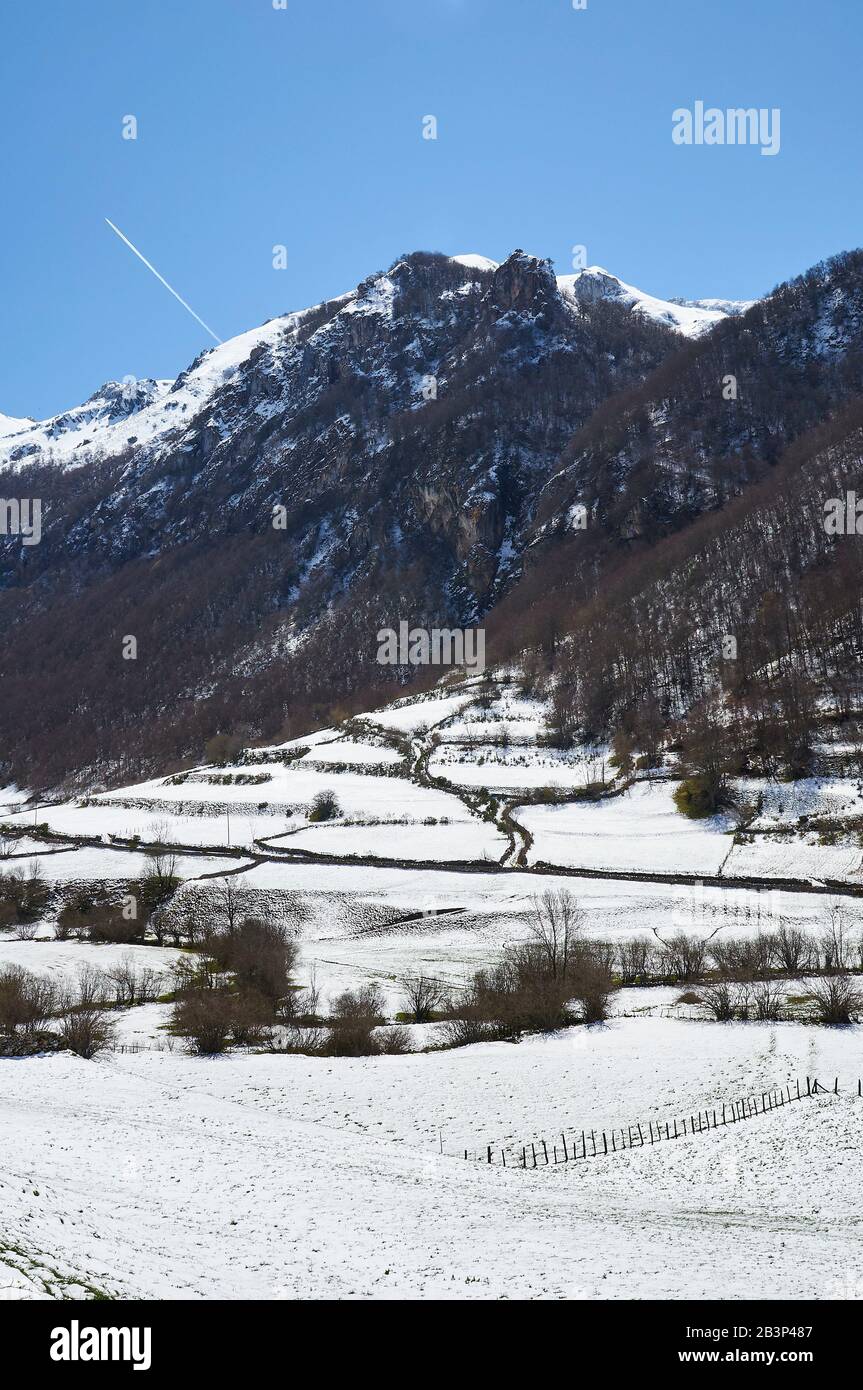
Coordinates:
[62,960]
[471,840]
[641,830]
[148,1172]
[513,769]
[160,1175]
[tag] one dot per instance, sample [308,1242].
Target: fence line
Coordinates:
[599,1143]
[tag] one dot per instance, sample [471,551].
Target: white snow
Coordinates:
[475,262]
[690,317]
[160,1175]
[469,840]
[343,750]
[641,830]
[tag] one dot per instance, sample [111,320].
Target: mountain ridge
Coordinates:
[423,441]
[117,401]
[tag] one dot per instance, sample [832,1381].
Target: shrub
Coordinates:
[222,749]
[23,896]
[467,1029]
[84,1026]
[260,954]
[695,798]
[593,987]
[766,1002]
[719,999]
[204,1017]
[325,806]
[27,1001]
[84,1031]
[106,923]
[250,1018]
[837,1001]
[354,1016]
[683,958]
[392,1042]
[98,915]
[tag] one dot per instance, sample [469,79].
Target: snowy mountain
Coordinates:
[134,414]
[691,317]
[411,450]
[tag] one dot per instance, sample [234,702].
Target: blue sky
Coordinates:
[302,127]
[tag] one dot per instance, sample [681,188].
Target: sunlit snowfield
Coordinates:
[150,1172]
[160,1175]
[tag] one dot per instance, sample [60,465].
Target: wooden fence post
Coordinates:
[604,1142]
[545,1150]
[565,1151]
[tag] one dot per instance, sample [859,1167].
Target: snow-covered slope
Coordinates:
[691,317]
[130,414]
[162,1176]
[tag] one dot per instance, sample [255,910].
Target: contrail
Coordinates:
[163,280]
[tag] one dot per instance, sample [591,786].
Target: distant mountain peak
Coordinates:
[133,413]
[691,317]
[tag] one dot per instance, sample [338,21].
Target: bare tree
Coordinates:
[132,985]
[635,960]
[684,957]
[227,901]
[836,948]
[423,996]
[792,948]
[554,924]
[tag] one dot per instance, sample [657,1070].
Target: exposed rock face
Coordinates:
[413,441]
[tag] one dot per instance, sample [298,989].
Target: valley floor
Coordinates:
[164,1176]
[151,1173]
